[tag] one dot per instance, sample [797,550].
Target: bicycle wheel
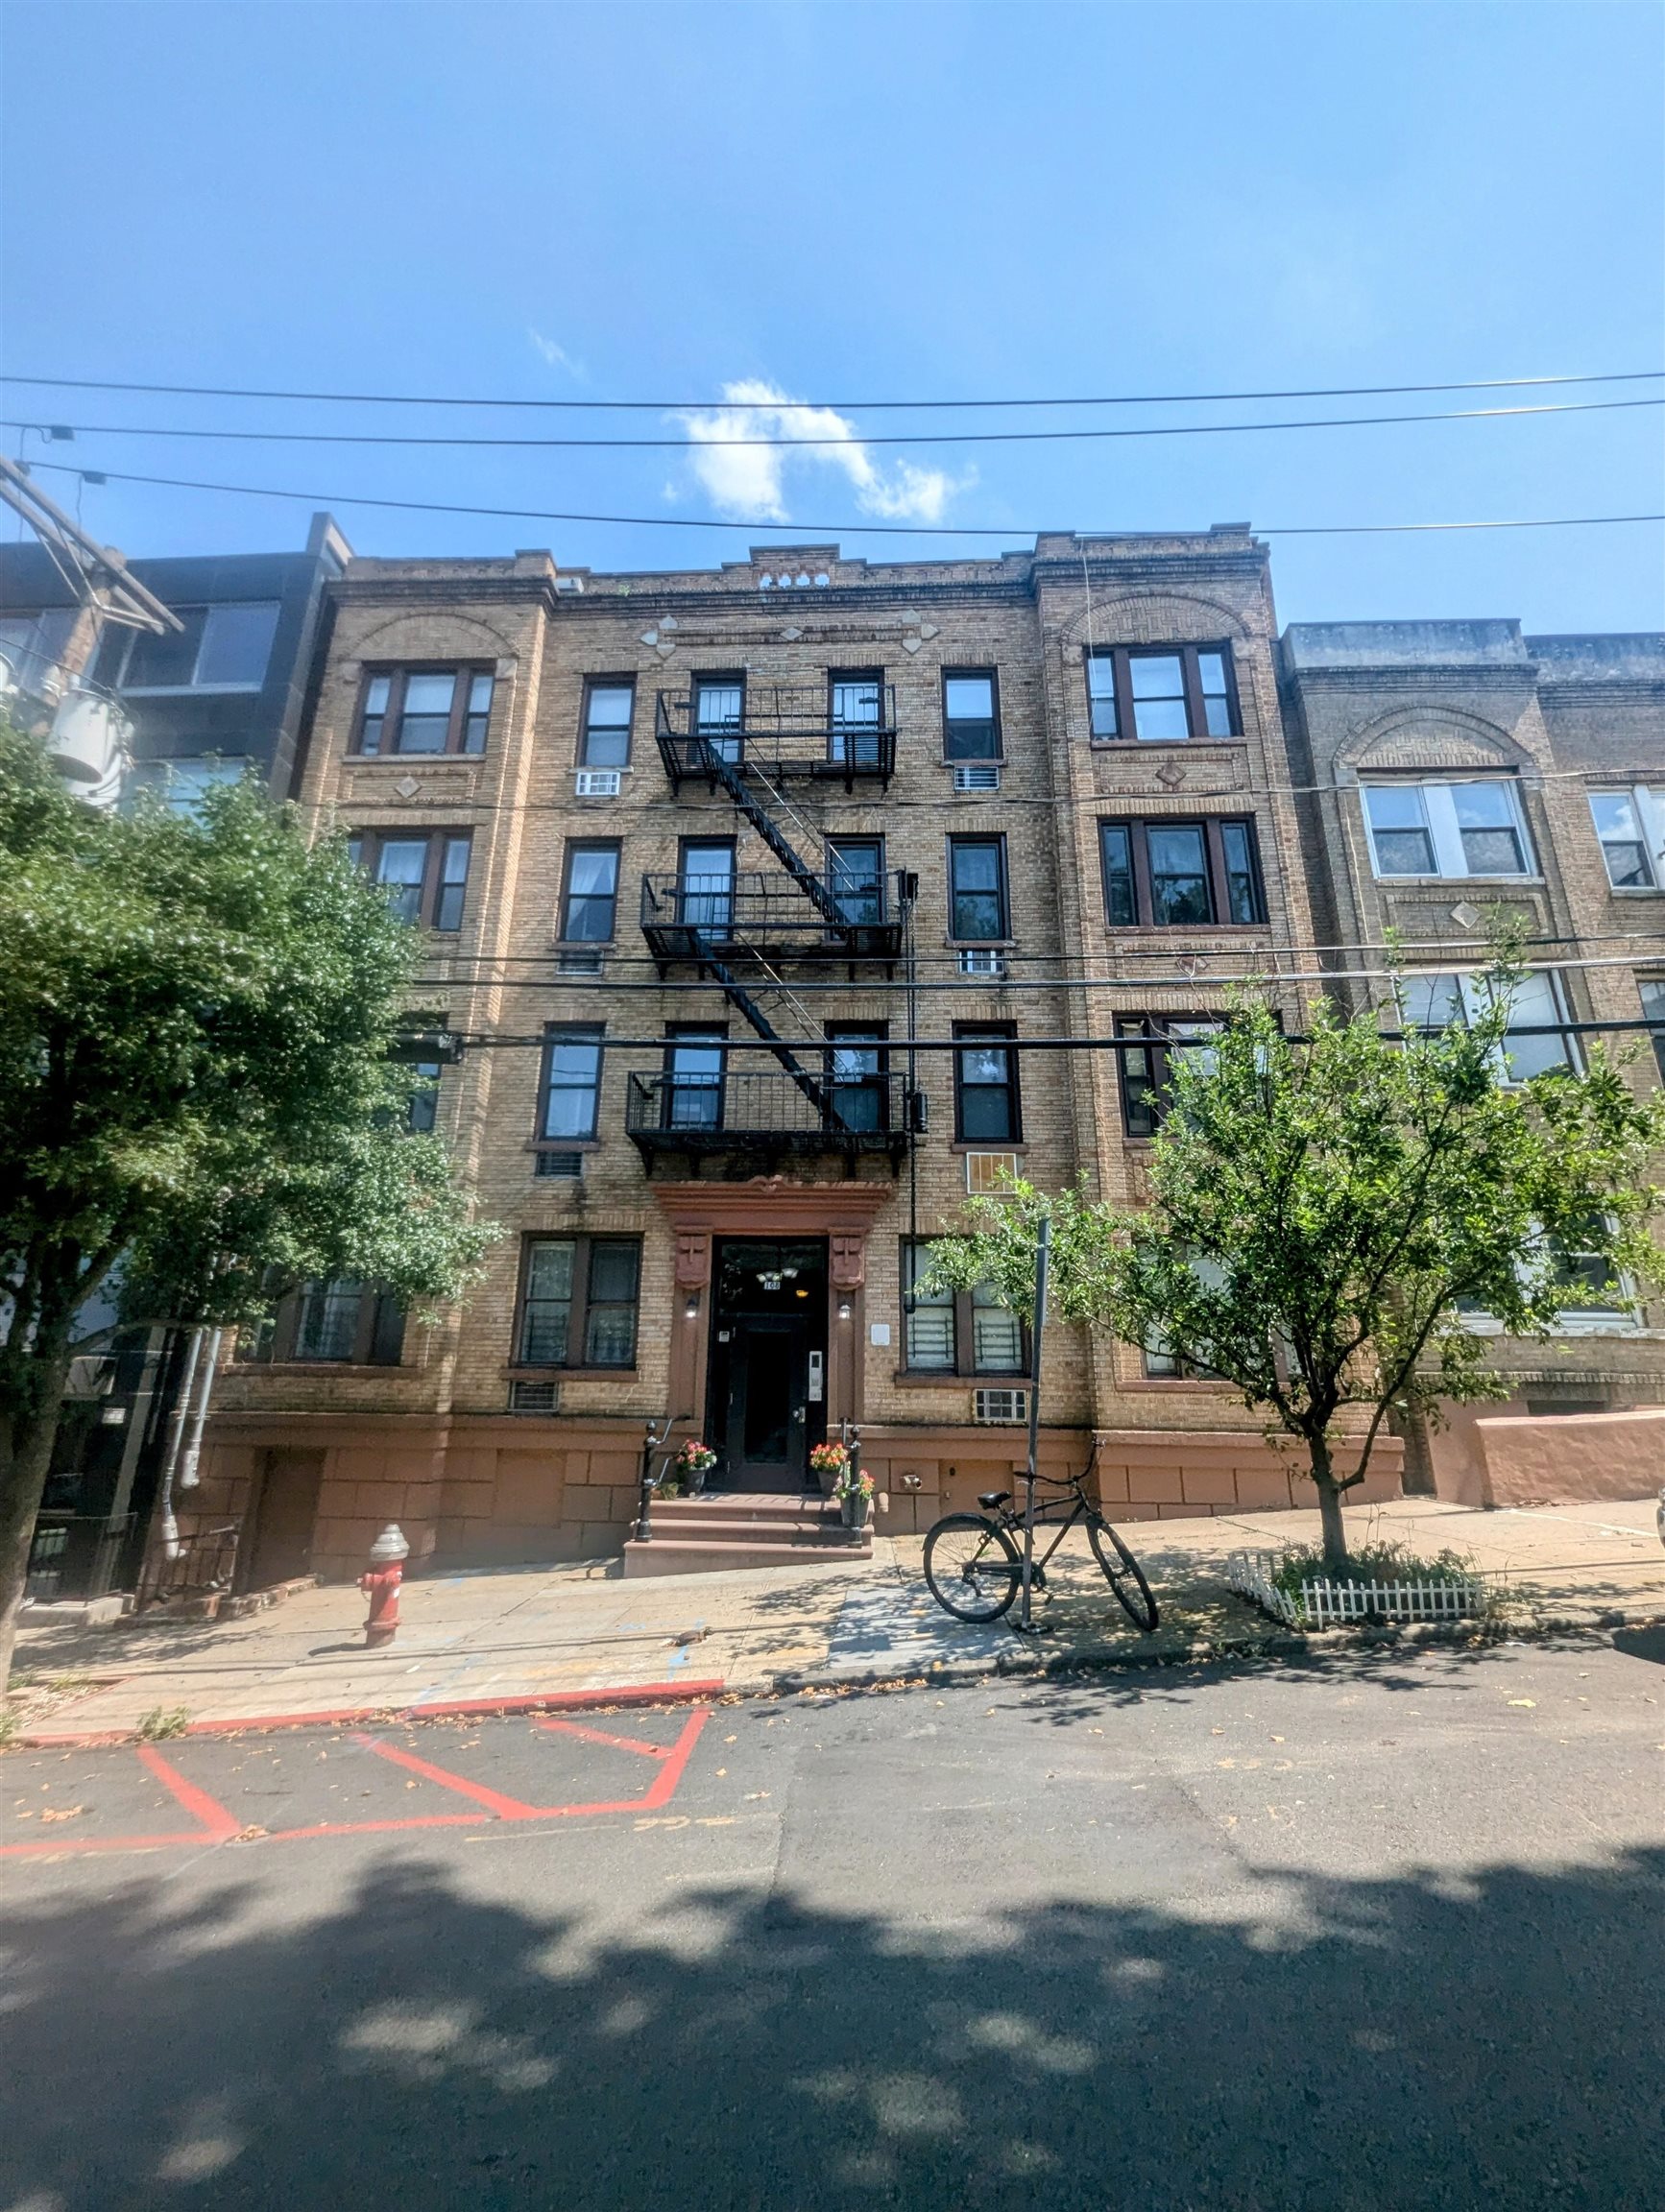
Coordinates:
[1124,1574]
[972,1565]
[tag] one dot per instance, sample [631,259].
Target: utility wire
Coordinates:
[845,529]
[871,406]
[690,444]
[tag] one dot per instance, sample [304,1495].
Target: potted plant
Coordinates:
[693,1463]
[828,1463]
[854,1491]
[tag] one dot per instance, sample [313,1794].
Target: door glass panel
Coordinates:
[857,881]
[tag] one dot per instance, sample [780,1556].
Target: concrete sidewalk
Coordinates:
[518,1634]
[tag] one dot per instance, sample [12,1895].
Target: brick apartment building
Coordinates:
[1449,767]
[746,887]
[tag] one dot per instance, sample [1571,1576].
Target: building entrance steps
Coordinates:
[740,1529]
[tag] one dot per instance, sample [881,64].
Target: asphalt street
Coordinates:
[1353,1934]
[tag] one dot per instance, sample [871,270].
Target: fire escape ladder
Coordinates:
[810,880]
[735,992]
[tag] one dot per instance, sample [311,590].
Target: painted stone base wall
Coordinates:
[1564,1458]
[1142,1474]
[499,1491]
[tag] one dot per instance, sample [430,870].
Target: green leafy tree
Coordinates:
[199,1103]
[1324,1211]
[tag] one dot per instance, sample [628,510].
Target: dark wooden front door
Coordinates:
[285,1514]
[767,1403]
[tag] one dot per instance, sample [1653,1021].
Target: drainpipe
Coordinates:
[207,1368]
[166,1526]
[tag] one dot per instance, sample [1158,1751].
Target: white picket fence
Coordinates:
[1325,1604]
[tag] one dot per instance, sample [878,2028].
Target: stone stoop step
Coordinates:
[718,1532]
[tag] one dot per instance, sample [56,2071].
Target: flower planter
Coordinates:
[854,1511]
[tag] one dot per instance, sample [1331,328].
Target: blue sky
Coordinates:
[851,203]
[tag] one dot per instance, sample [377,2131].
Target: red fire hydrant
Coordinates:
[380,1585]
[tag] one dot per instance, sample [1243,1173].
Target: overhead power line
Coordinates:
[846,529]
[688,442]
[869,406]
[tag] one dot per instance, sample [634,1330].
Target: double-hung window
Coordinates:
[1176,874]
[1653,991]
[1148,1068]
[571,1087]
[422,1106]
[424,710]
[339,1323]
[578,1302]
[855,878]
[696,1064]
[219,649]
[971,715]
[590,898]
[1161,694]
[977,891]
[856,1068]
[1434,1001]
[855,717]
[425,873]
[719,713]
[985,1084]
[958,1332]
[604,742]
[1631,829]
[1447,828]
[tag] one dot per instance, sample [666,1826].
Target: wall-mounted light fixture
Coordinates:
[844,1308]
[691,1311]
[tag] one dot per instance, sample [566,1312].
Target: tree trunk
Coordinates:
[1336,1554]
[26,1442]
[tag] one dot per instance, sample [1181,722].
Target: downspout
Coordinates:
[167,1527]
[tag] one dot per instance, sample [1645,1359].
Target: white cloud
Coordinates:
[750,480]
[557,356]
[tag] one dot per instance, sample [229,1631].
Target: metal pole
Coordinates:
[1043,1249]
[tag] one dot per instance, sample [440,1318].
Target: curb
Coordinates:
[456,1708]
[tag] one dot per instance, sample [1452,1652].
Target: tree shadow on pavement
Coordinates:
[1439,2041]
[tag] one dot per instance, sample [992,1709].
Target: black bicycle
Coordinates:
[973,1562]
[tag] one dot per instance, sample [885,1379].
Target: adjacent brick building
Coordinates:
[1455,767]
[744,887]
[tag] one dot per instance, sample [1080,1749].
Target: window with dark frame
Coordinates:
[1653,991]
[609,706]
[985,1084]
[857,1066]
[590,895]
[579,1300]
[424,873]
[1162,694]
[1178,875]
[719,713]
[570,1092]
[424,710]
[977,891]
[224,648]
[855,877]
[967,1333]
[422,1108]
[336,1323]
[971,715]
[1147,1072]
[855,715]
[695,1067]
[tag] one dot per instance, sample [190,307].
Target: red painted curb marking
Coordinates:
[219,1826]
[344,1716]
[596,1736]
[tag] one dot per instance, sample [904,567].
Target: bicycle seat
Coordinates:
[990,1498]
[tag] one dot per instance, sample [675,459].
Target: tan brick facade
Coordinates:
[1557,718]
[432,1442]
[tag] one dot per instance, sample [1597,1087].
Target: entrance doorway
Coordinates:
[285,1516]
[767,1403]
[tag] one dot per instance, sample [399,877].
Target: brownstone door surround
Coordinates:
[698,1213]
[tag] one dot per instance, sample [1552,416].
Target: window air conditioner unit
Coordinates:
[1001,1407]
[981,960]
[599,782]
[977,776]
[534,1397]
[560,1167]
[984,1170]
